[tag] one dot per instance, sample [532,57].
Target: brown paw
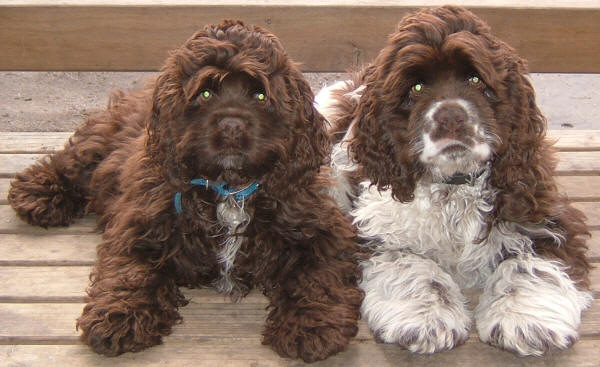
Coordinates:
[311,345]
[118,331]
[40,198]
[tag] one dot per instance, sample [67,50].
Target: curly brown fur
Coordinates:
[128,162]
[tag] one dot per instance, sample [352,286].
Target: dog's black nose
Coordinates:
[450,116]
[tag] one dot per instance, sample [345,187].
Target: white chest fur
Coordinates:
[234,219]
[445,223]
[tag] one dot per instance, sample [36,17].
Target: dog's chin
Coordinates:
[453,160]
[234,161]
[239,169]
[448,157]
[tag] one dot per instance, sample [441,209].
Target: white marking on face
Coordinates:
[470,150]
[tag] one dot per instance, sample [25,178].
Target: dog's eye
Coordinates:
[206,94]
[475,80]
[259,96]
[418,88]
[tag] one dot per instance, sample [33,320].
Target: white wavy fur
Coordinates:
[426,250]
[234,219]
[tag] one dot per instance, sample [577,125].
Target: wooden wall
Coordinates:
[325,35]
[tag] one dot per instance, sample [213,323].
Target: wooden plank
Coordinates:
[43,283]
[32,142]
[68,283]
[4,185]
[248,352]
[71,250]
[12,163]
[45,249]
[327,36]
[46,142]
[491,3]
[579,188]
[575,140]
[11,224]
[594,247]
[578,163]
[570,164]
[55,322]
[19,240]
[592,211]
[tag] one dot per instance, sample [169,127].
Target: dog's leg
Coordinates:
[131,305]
[314,298]
[411,301]
[53,191]
[314,315]
[529,306]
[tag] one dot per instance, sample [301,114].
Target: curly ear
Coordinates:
[381,143]
[525,162]
[168,100]
[309,144]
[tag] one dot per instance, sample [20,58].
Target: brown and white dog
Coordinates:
[207,178]
[443,164]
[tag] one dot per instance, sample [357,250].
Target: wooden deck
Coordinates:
[43,275]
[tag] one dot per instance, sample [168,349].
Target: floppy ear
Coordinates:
[525,162]
[309,144]
[381,141]
[313,144]
[169,100]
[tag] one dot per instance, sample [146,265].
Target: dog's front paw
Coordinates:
[39,197]
[530,306]
[116,331]
[527,335]
[412,302]
[425,331]
[310,344]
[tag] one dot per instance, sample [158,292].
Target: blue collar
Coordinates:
[221,188]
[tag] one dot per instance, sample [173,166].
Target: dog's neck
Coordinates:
[226,192]
[459,178]
[463,178]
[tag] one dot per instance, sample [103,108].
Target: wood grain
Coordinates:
[575,140]
[32,142]
[237,352]
[578,163]
[55,321]
[571,163]
[11,224]
[26,249]
[46,142]
[22,284]
[331,36]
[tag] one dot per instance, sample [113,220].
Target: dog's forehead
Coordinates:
[239,81]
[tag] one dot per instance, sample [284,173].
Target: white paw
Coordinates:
[410,301]
[528,335]
[530,306]
[430,330]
